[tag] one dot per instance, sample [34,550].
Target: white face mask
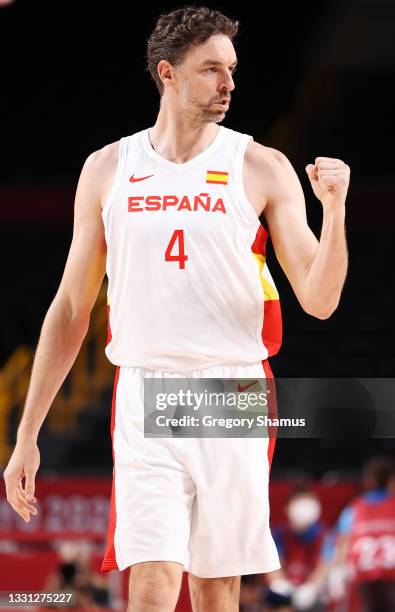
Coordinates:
[303,512]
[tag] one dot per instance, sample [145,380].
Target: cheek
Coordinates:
[206,84]
[201,92]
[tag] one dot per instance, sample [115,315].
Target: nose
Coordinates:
[228,84]
[231,84]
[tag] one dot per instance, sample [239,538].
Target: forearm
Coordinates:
[60,340]
[319,573]
[327,272]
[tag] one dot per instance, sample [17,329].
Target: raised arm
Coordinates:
[315,269]
[64,327]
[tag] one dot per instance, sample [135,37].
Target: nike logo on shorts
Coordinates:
[240,388]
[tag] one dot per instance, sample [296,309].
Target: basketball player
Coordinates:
[177,206]
[365,547]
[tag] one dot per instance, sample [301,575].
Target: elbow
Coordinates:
[323,315]
[320,311]
[76,317]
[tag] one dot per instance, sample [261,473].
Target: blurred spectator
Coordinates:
[391,481]
[251,593]
[74,576]
[303,546]
[364,558]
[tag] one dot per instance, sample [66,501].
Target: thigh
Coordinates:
[230,533]
[153,492]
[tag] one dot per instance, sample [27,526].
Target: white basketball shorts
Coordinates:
[201,502]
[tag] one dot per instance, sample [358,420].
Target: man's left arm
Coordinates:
[316,269]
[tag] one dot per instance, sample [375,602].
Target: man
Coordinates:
[178,207]
[303,545]
[365,547]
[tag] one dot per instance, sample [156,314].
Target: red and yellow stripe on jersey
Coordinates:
[216,177]
[272,326]
[109,334]
[272,321]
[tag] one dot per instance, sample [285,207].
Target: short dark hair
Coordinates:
[377,471]
[175,32]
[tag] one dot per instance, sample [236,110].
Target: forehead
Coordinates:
[218,48]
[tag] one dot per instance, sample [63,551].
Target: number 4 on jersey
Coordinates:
[181,257]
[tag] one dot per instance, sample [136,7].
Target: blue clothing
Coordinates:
[306,536]
[345,520]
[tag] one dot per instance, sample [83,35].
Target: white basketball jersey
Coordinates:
[187,276]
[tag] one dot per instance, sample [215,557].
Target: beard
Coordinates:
[209,115]
[197,112]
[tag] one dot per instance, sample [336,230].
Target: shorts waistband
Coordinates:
[223,368]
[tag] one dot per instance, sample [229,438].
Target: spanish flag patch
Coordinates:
[216,177]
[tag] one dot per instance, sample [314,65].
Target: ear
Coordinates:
[165,71]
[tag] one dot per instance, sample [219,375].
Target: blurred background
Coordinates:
[314,79]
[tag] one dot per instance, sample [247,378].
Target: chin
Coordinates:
[214,117]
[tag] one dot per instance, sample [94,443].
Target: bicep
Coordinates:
[85,266]
[293,241]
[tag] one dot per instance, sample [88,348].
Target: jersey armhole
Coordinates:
[122,155]
[240,153]
[263,222]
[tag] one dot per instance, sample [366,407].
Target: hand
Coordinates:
[281,586]
[329,179]
[338,580]
[304,596]
[24,462]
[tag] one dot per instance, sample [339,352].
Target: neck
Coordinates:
[177,138]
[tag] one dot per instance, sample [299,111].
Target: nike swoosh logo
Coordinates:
[134,179]
[240,388]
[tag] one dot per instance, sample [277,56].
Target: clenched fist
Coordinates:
[329,179]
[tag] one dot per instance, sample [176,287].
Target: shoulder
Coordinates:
[273,174]
[264,158]
[345,520]
[101,166]
[267,167]
[104,158]
[268,163]
[265,171]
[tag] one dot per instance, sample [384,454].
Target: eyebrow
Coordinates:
[217,63]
